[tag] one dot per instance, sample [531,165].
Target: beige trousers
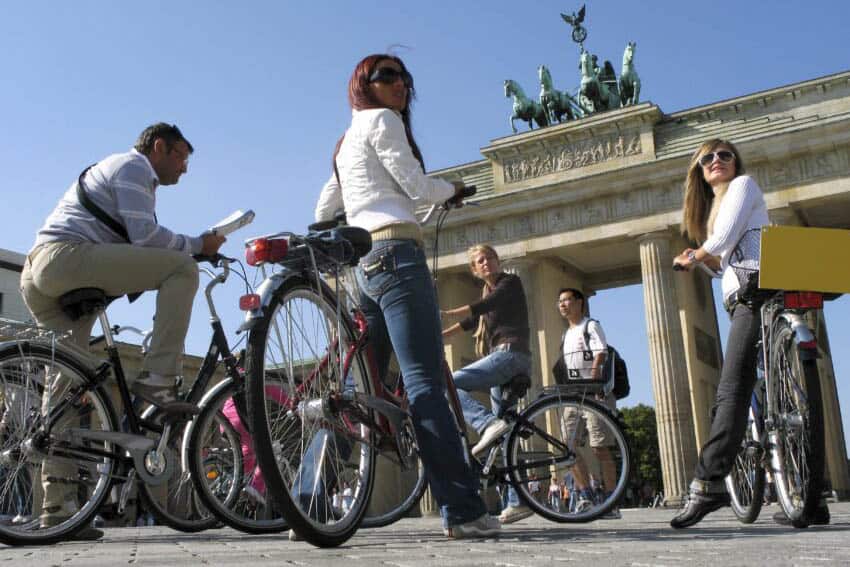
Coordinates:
[58,267]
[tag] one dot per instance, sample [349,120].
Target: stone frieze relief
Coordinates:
[571,156]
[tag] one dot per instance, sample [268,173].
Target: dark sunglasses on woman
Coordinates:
[724,156]
[388,76]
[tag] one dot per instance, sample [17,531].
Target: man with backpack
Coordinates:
[583,356]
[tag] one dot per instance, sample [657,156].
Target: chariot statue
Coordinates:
[599,89]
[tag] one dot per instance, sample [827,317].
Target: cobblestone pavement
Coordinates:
[641,538]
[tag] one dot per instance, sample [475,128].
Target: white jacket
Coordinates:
[742,209]
[382,182]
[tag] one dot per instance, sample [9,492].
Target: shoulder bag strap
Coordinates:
[96,211]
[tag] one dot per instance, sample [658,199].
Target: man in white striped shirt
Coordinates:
[123,252]
[74,249]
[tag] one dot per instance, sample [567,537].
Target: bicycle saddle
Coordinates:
[345,244]
[514,390]
[83,301]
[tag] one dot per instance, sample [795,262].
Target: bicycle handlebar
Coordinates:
[453,202]
[701,266]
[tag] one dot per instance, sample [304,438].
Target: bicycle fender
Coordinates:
[803,336]
[266,291]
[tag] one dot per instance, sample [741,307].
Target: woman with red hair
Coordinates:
[379,180]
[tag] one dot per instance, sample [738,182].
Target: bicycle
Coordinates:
[62,425]
[784,433]
[338,416]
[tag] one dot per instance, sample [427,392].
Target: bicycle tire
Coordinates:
[797,426]
[26,449]
[745,482]
[216,455]
[290,344]
[541,442]
[180,506]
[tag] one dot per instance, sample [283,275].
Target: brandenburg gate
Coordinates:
[595,203]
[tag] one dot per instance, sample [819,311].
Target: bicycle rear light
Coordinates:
[266,250]
[249,302]
[803,300]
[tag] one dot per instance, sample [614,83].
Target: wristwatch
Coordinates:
[692,257]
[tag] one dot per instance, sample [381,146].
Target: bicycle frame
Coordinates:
[134,441]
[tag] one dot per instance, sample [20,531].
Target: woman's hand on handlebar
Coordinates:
[211,244]
[461,192]
[682,262]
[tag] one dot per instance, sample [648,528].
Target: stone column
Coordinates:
[676,439]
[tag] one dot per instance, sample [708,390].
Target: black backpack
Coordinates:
[613,363]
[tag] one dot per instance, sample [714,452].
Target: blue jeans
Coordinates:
[400,304]
[491,372]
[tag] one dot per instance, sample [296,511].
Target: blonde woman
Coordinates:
[721,205]
[503,316]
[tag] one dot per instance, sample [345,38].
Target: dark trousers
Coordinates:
[731,407]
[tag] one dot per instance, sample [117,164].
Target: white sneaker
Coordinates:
[513,514]
[583,505]
[485,526]
[490,435]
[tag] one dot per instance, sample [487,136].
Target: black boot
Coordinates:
[698,506]
[819,518]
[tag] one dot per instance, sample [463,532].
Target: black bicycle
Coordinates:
[59,431]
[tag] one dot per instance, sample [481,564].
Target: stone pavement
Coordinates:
[641,538]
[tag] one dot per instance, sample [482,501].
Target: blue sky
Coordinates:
[259,88]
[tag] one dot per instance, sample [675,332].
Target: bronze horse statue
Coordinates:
[556,103]
[524,108]
[629,80]
[598,89]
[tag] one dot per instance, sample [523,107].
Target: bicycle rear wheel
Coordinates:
[53,478]
[561,434]
[745,482]
[310,441]
[223,464]
[797,425]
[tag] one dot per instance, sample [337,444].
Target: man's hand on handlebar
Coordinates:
[211,244]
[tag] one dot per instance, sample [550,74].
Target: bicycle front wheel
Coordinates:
[311,437]
[573,440]
[54,471]
[797,425]
[223,464]
[745,482]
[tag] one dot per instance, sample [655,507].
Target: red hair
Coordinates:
[361,97]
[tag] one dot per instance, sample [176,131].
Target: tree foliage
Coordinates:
[642,433]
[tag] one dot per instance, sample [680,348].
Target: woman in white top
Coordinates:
[379,181]
[723,210]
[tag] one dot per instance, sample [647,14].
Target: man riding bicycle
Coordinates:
[104,234]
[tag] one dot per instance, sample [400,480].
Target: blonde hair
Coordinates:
[700,204]
[481,336]
[479,249]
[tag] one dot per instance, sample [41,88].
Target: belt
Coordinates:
[398,231]
[510,347]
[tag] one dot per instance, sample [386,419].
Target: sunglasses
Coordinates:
[388,76]
[725,156]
